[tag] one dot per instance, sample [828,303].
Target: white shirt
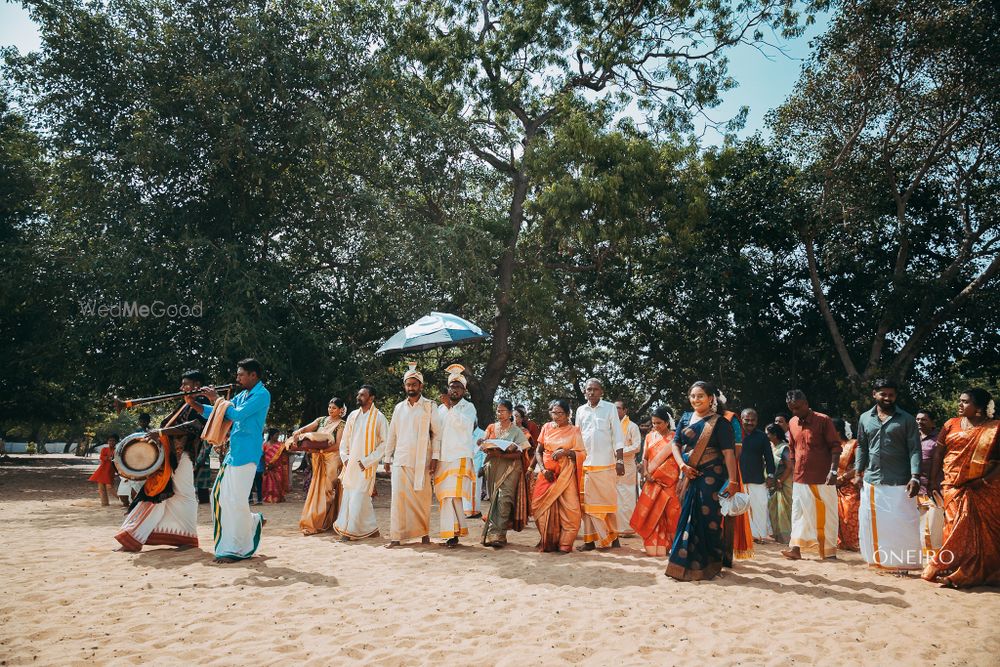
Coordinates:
[633,437]
[403,447]
[458,425]
[602,432]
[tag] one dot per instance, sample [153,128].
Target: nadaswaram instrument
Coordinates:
[120,404]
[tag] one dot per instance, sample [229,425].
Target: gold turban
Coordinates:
[413,373]
[455,374]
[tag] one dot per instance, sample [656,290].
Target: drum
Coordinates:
[138,456]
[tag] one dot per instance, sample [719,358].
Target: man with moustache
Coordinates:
[455,478]
[414,437]
[888,457]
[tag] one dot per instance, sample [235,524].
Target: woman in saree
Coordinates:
[321,440]
[505,478]
[521,419]
[275,465]
[968,460]
[779,502]
[704,449]
[658,507]
[556,497]
[848,495]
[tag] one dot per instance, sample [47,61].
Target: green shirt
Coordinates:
[888,452]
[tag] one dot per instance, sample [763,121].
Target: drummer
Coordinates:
[165,510]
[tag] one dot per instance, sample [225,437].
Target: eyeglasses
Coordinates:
[557,412]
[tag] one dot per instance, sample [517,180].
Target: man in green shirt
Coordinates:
[888,462]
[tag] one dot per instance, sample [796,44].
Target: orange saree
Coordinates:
[848,500]
[556,504]
[970,555]
[658,508]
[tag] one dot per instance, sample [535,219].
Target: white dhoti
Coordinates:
[172,522]
[931,526]
[889,527]
[356,518]
[410,510]
[814,518]
[600,519]
[453,484]
[758,510]
[625,487]
[237,530]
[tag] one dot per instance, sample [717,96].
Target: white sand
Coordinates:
[68,599]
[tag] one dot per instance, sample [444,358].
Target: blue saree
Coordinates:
[698,549]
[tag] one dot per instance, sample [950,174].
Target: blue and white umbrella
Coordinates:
[431,331]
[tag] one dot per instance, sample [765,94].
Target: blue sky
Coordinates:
[765,79]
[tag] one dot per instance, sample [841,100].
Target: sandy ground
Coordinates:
[68,599]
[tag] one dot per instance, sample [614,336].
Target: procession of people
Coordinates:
[698,492]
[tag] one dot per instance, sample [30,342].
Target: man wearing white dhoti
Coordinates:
[237,529]
[757,469]
[814,454]
[604,441]
[414,435]
[165,511]
[626,484]
[888,455]
[455,476]
[361,448]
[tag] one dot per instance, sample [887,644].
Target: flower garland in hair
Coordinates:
[718,398]
[990,409]
[848,431]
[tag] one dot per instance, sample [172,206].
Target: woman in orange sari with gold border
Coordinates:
[848,495]
[968,456]
[555,499]
[658,508]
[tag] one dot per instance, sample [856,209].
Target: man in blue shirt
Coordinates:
[888,458]
[237,530]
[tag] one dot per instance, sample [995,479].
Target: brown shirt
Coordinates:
[812,443]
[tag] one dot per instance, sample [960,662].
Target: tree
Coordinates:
[240,158]
[895,125]
[504,76]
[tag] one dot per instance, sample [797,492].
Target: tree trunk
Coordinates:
[496,366]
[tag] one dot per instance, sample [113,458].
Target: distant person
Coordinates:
[104,476]
[848,496]
[931,511]
[275,467]
[626,484]
[779,503]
